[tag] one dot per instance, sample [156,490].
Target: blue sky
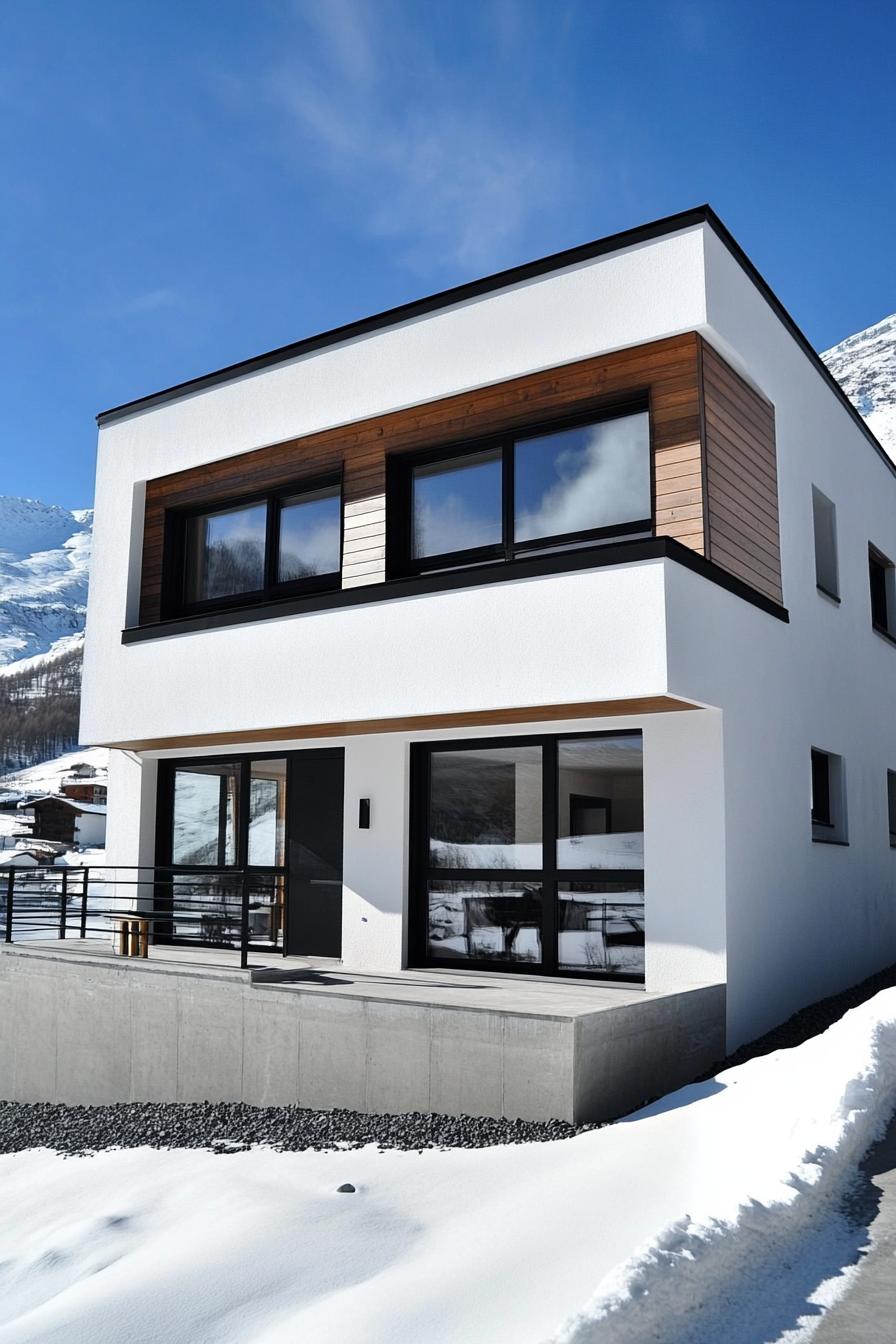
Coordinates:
[185,185]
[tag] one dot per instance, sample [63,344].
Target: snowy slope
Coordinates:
[716,1214]
[44,563]
[48,776]
[865,367]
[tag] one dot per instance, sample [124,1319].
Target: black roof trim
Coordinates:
[573,256]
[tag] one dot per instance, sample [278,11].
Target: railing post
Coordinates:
[63,912]
[244,923]
[86,872]
[10,886]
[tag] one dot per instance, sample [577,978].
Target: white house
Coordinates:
[540,628]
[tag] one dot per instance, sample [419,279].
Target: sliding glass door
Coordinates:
[528,855]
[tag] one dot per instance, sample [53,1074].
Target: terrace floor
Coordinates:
[527,995]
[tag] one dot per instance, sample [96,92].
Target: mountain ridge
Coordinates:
[44,569]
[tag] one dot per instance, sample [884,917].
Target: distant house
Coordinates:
[67,820]
[85,790]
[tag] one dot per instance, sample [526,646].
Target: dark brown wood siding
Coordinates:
[741,477]
[664,371]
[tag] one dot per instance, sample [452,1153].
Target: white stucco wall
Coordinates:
[532,641]
[803,919]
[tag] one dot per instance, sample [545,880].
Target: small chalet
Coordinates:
[67,820]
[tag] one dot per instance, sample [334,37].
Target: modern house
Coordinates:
[527,654]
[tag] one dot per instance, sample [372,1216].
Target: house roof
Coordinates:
[74,803]
[615,242]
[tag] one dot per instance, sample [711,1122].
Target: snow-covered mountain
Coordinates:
[865,367]
[44,564]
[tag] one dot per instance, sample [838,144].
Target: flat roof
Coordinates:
[446,298]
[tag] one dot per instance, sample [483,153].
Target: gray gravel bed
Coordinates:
[228,1128]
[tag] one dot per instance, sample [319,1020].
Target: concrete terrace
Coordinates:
[188,1026]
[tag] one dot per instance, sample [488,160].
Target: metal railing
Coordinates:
[241,910]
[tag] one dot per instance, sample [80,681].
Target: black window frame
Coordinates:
[891,806]
[549,877]
[880,576]
[175,558]
[821,812]
[400,560]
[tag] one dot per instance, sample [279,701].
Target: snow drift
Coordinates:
[713,1214]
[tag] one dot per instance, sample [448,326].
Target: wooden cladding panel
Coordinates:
[472,718]
[666,371]
[741,503]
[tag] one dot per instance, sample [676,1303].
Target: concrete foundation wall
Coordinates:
[78,1030]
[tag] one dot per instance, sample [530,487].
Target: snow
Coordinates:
[49,775]
[44,564]
[621,849]
[865,366]
[716,1213]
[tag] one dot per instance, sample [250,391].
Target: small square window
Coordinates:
[824,517]
[891,805]
[828,797]
[882,580]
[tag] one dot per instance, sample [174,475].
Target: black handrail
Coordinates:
[197,906]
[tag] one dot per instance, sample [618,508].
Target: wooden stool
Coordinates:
[131,936]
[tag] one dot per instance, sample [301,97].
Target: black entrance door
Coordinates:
[314,830]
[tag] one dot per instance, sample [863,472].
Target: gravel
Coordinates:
[226,1128]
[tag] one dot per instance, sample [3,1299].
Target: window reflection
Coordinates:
[267,813]
[486,808]
[600,789]
[204,820]
[310,533]
[485,921]
[580,479]
[225,553]
[456,504]
[601,927]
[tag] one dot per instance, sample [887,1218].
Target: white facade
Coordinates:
[735,889]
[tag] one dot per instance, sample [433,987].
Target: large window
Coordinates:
[571,485]
[257,551]
[529,854]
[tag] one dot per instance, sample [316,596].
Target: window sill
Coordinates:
[564,562]
[826,592]
[823,840]
[884,634]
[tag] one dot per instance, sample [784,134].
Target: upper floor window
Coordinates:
[263,549]
[824,517]
[828,795]
[496,500]
[881,578]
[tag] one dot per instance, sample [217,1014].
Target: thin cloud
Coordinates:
[152,300]
[451,163]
